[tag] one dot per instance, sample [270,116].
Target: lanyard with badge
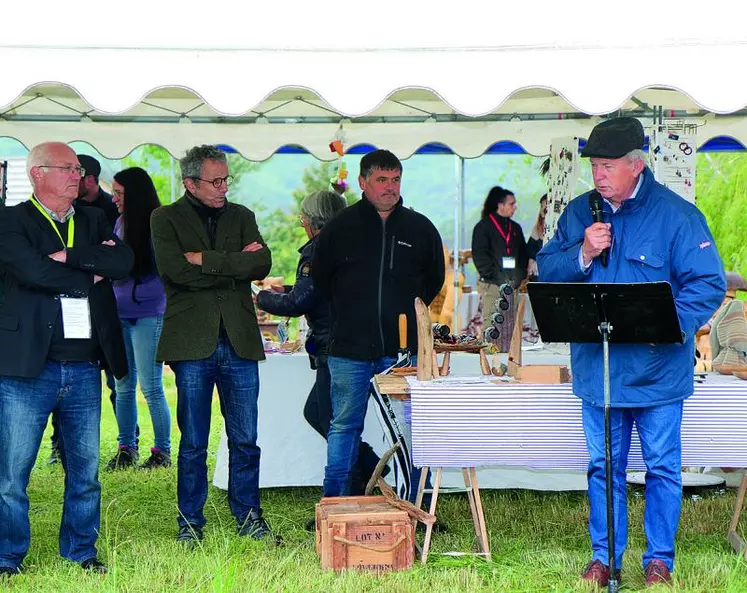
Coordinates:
[76,314]
[509,263]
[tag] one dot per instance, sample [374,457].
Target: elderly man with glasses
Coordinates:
[208,250]
[58,323]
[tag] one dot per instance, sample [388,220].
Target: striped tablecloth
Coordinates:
[470,423]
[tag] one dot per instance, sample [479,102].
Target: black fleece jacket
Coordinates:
[371,270]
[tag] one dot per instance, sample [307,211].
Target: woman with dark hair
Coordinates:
[141,301]
[498,250]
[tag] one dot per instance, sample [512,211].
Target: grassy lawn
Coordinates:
[539,540]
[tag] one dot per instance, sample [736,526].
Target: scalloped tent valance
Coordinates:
[397,79]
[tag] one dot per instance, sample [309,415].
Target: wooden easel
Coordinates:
[427,369]
[737,543]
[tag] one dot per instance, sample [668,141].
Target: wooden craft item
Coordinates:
[379,469]
[536,373]
[425,341]
[446,364]
[514,350]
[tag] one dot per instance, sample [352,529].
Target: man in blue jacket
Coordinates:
[652,235]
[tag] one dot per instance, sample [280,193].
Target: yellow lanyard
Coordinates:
[70,224]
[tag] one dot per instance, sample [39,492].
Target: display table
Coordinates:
[294,455]
[459,424]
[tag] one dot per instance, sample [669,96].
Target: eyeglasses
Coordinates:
[69,169]
[218,181]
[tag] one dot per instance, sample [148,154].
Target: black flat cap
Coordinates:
[90,164]
[614,138]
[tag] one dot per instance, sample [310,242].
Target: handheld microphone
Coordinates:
[595,204]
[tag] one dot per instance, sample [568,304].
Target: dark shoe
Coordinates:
[8,571]
[359,479]
[94,565]
[125,457]
[657,573]
[256,527]
[310,526]
[598,573]
[189,535]
[158,458]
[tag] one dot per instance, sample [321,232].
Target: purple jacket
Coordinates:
[143,298]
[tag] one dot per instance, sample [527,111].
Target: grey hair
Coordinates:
[636,155]
[39,155]
[191,164]
[321,207]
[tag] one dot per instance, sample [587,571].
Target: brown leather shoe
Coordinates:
[657,573]
[598,573]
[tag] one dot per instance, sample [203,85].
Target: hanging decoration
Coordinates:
[340,175]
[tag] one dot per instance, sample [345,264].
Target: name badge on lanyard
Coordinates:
[76,314]
[508,262]
[76,318]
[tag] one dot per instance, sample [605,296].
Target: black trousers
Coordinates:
[318,413]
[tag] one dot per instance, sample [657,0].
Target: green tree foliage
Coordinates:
[721,194]
[165,171]
[281,228]
[157,161]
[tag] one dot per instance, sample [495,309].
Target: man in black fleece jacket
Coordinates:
[371,262]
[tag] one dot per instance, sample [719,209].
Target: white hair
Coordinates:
[636,155]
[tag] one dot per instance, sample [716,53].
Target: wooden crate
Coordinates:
[364,533]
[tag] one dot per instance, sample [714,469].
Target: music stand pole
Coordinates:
[612,585]
[584,313]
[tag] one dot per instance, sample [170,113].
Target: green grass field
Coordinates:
[539,540]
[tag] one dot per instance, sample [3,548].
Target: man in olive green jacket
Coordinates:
[208,251]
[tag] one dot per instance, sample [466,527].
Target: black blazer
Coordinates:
[31,282]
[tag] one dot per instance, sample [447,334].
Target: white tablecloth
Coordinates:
[294,455]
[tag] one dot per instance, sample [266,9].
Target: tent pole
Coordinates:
[172,171]
[458,221]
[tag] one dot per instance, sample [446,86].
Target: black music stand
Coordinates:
[611,314]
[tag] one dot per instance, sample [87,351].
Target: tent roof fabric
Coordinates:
[261,80]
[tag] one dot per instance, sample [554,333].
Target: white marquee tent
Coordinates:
[401,75]
[261,77]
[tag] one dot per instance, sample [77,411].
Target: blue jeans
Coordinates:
[661,445]
[350,384]
[72,390]
[141,341]
[237,380]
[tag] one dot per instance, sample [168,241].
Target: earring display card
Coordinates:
[672,154]
[561,180]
